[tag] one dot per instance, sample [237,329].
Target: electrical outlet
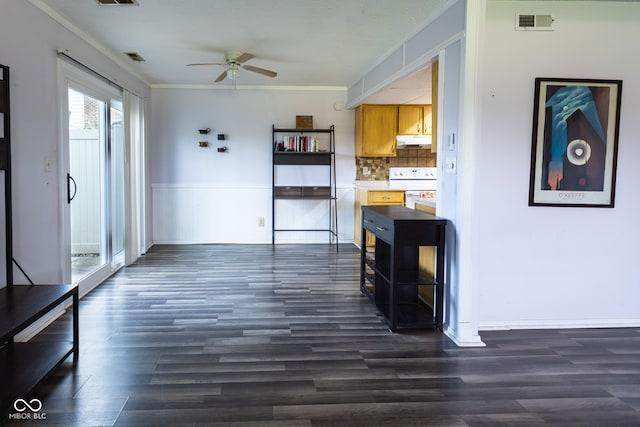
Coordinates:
[261,221]
[48,164]
[366,171]
[450,165]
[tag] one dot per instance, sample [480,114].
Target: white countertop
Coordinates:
[396,186]
[376,185]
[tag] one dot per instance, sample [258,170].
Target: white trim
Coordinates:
[463,340]
[433,17]
[86,37]
[467,329]
[63,160]
[406,69]
[228,186]
[74,77]
[505,325]
[89,84]
[39,325]
[251,87]
[212,186]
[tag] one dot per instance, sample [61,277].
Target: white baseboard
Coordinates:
[557,324]
[36,327]
[463,340]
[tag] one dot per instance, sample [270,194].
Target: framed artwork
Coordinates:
[575,142]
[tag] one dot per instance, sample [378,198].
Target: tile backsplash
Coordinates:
[379,166]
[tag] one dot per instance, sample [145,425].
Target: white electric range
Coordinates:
[418,183]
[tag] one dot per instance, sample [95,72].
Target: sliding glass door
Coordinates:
[95,181]
[86,183]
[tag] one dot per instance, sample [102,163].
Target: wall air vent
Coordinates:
[530,22]
[118,2]
[135,56]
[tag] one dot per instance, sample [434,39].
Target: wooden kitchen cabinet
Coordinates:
[414,120]
[427,120]
[385,197]
[375,130]
[365,197]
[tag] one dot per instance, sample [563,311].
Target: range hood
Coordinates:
[408,141]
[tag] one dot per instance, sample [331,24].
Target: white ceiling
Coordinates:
[307,42]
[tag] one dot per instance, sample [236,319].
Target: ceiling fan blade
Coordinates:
[208,63]
[221,77]
[244,57]
[259,70]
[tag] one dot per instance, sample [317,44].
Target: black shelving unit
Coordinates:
[5,167]
[301,153]
[391,275]
[23,365]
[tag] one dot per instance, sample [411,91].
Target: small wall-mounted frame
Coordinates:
[203,143]
[204,131]
[221,137]
[575,142]
[223,149]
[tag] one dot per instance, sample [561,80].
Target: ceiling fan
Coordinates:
[234,61]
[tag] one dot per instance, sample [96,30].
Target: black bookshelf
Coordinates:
[300,152]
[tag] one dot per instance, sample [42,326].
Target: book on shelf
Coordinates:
[301,144]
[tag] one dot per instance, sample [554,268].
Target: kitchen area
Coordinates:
[396,146]
[401,240]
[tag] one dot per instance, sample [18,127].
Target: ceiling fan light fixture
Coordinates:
[233,72]
[234,61]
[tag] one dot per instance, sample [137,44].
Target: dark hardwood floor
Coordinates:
[250,335]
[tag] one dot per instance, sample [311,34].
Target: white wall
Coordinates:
[203,196]
[29,41]
[551,266]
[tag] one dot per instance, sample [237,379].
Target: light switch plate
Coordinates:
[451,142]
[450,165]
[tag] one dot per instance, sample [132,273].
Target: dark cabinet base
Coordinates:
[391,275]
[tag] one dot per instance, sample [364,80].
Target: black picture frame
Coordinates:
[574,142]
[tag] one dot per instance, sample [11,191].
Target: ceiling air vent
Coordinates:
[534,22]
[118,2]
[135,56]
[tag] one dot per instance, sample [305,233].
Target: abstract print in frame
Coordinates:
[575,142]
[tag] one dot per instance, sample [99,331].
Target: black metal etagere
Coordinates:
[303,154]
[5,166]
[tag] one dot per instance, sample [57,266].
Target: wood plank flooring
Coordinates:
[251,335]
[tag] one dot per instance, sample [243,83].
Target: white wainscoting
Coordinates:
[185,214]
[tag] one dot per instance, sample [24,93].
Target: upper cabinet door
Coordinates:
[414,120]
[427,120]
[375,130]
[410,120]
